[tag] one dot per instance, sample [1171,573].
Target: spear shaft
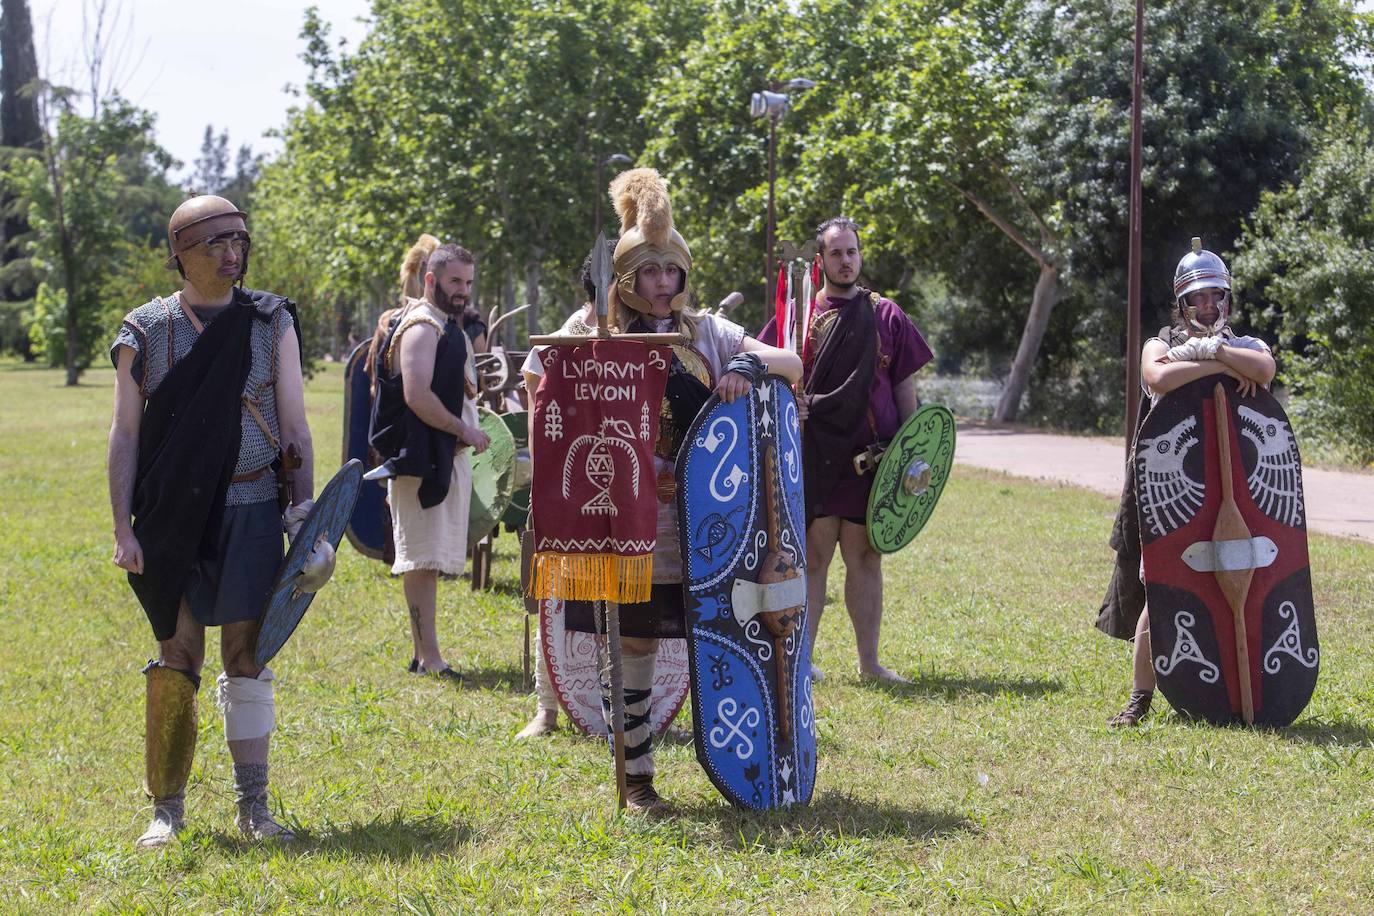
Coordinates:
[1133,258]
[602,277]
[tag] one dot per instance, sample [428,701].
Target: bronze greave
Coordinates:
[172,721]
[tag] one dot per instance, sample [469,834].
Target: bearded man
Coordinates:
[423,417]
[209,397]
[861,356]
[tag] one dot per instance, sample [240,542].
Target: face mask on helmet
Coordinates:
[1197,307]
[214,265]
[208,243]
[648,267]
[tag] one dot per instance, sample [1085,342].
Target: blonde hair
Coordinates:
[413,267]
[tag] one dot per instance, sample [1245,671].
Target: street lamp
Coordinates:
[612,159]
[773,103]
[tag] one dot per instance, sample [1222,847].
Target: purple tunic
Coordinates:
[901,351]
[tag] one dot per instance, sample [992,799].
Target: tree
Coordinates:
[211,175]
[19,130]
[1230,111]
[714,156]
[1307,260]
[212,167]
[76,195]
[985,148]
[481,125]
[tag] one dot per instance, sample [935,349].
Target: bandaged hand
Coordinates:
[1184,352]
[1207,347]
[294,517]
[1195,349]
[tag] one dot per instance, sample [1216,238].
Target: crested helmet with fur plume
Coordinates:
[647,236]
[413,266]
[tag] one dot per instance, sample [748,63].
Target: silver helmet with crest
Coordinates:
[1202,269]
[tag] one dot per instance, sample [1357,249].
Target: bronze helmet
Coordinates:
[201,218]
[647,236]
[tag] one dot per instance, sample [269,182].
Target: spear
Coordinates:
[602,278]
[1133,257]
[800,257]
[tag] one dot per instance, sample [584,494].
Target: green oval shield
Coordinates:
[517,513]
[910,478]
[493,474]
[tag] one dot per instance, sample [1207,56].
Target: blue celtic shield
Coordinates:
[287,602]
[743,539]
[369,527]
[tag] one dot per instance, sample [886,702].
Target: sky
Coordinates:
[192,62]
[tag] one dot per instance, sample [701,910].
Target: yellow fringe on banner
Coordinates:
[591,577]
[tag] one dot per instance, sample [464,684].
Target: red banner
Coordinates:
[592,502]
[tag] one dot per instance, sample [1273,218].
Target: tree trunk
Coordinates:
[1043,300]
[508,296]
[19,124]
[73,333]
[340,332]
[532,275]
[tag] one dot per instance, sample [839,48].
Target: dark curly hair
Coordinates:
[587,283]
[838,222]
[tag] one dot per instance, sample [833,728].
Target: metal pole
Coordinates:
[1133,259]
[597,195]
[768,232]
[617,679]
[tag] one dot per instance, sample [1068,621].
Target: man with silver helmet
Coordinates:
[1199,343]
[209,398]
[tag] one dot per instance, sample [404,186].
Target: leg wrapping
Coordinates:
[639,682]
[543,681]
[171,722]
[248,704]
[250,793]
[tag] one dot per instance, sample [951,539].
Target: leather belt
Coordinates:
[248,476]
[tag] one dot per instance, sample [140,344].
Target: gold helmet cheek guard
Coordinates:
[627,269]
[624,291]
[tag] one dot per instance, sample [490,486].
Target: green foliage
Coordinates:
[84,195]
[14,328]
[955,131]
[982,145]
[713,155]
[1231,111]
[481,125]
[1307,256]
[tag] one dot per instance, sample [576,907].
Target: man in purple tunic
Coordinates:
[860,358]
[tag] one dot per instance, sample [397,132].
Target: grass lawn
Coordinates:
[990,784]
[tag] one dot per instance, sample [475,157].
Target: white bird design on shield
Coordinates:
[600,463]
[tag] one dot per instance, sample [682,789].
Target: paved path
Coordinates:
[1338,502]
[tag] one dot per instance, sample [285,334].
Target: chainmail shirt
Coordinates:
[160,335]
